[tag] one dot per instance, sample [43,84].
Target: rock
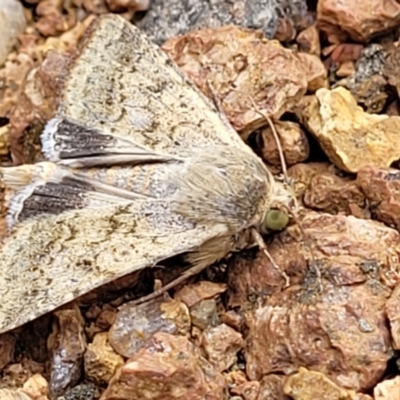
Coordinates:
[55,17]
[131,5]
[7,349]
[381,186]
[301,174]
[334,324]
[274,17]
[192,294]
[101,362]
[350,137]
[240,387]
[307,385]
[37,387]
[341,54]
[14,376]
[393,315]
[247,390]
[333,194]
[232,319]
[204,314]
[136,323]
[247,69]
[221,345]
[84,391]
[9,394]
[308,40]
[391,69]
[367,84]
[36,104]
[360,19]
[12,24]
[106,318]
[346,69]
[389,389]
[271,388]
[316,73]
[67,344]
[293,140]
[167,368]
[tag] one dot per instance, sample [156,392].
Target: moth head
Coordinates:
[281,209]
[276,220]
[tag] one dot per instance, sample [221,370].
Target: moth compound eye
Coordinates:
[276,220]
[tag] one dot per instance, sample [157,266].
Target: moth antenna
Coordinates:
[274,133]
[158,292]
[261,244]
[218,104]
[216,100]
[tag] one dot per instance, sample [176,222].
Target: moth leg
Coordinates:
[158,292]
[210,252]
[261,244]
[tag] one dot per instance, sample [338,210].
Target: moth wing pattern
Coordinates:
[124,100]
[50,260]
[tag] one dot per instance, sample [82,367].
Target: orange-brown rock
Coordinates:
[389,389]
[308,40]
[360,19]
[333,194]
[192,294]
[316,73]
[309,385]
[167,368]
[393,315]
[332,316]
[101,361]
[221,345]
[381,186]
[392,69]
[37,387]
[137,323]
[350,137]
[55,17]
[245,69]
[132,5]
[271,388]
[10,394]
[7,349]
[67,344]
[204,314]
[293,140]
[247,390]
[301,174]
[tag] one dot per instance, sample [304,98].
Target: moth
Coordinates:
[140,167]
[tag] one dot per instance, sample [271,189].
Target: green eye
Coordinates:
[276,220]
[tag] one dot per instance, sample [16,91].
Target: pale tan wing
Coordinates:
[125,101]
[52,259]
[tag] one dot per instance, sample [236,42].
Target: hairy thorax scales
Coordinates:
[224,185]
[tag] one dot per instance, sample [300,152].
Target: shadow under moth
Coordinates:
[141,167]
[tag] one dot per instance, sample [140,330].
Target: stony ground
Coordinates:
[327,74]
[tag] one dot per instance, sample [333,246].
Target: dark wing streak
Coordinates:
[133,104]
[71,143]
[53,189]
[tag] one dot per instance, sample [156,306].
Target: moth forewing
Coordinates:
[187,183]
